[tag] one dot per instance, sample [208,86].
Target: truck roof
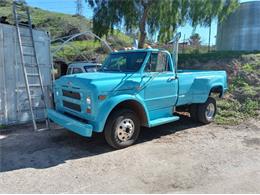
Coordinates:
[83,63]
[137,50]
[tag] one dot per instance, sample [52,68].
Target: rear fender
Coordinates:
[202,87]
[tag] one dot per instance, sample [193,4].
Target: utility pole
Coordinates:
[183,44]
[209,35]
[79,7]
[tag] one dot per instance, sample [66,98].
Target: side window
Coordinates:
[162,62]
[90,68]
[77,70]
[69,71]
[158,62]
[151,64]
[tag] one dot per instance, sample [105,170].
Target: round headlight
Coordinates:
[88,100]
[57,93]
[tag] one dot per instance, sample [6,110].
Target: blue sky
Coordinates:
[69,7]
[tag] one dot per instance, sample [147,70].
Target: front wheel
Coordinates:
[122,128]
[207,111]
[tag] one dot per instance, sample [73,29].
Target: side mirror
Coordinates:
[175,48]
[178,36]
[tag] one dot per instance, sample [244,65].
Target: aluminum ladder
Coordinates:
[22,19]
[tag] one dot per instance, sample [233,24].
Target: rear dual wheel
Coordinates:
[204,113]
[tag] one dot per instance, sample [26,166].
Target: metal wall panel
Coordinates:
[241,30]
[2,81]
[14,105]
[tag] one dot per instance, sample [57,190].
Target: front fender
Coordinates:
[111,103]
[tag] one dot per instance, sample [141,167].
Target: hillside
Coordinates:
[59,25]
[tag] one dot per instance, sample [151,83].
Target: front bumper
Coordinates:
[83,129]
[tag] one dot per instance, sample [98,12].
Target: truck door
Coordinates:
[161,84]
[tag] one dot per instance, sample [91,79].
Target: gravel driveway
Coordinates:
[180,157]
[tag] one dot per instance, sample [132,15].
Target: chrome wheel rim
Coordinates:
[210,111]
[125,129]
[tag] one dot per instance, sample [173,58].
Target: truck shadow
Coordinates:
[21,148]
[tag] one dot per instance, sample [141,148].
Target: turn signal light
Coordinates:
[102,97]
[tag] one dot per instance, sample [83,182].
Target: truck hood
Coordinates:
[102,81]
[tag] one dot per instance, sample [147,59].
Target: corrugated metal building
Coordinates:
[241,30]
[14,105]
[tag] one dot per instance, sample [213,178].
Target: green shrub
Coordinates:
[250,107]
[2,126]
[248,68]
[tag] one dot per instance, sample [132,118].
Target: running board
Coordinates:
[161,121]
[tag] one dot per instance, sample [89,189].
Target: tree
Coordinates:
[202,12]
[150,16]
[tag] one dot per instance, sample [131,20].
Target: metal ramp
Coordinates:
[29,61]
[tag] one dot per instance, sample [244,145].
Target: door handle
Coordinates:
[171,78]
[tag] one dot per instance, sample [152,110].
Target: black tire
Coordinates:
[194,112]
[203,115]
[115,119]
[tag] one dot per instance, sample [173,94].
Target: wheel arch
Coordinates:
[134,105]
[218,89]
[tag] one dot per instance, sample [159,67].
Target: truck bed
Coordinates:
[195,85]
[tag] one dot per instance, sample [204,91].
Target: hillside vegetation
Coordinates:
[89,49]
[57,24]
[242,100]
[60,25]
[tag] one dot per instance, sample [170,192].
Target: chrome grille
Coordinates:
[72,106]
[71,94]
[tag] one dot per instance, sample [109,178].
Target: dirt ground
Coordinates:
[180,157]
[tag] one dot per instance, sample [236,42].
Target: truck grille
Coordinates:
[72,106]
[71,94]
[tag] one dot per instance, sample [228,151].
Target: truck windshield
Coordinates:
[124,62]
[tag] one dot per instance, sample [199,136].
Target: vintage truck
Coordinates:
[133,89]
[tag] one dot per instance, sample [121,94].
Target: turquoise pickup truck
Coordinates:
[133,89]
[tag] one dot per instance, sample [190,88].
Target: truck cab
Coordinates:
[134,89]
